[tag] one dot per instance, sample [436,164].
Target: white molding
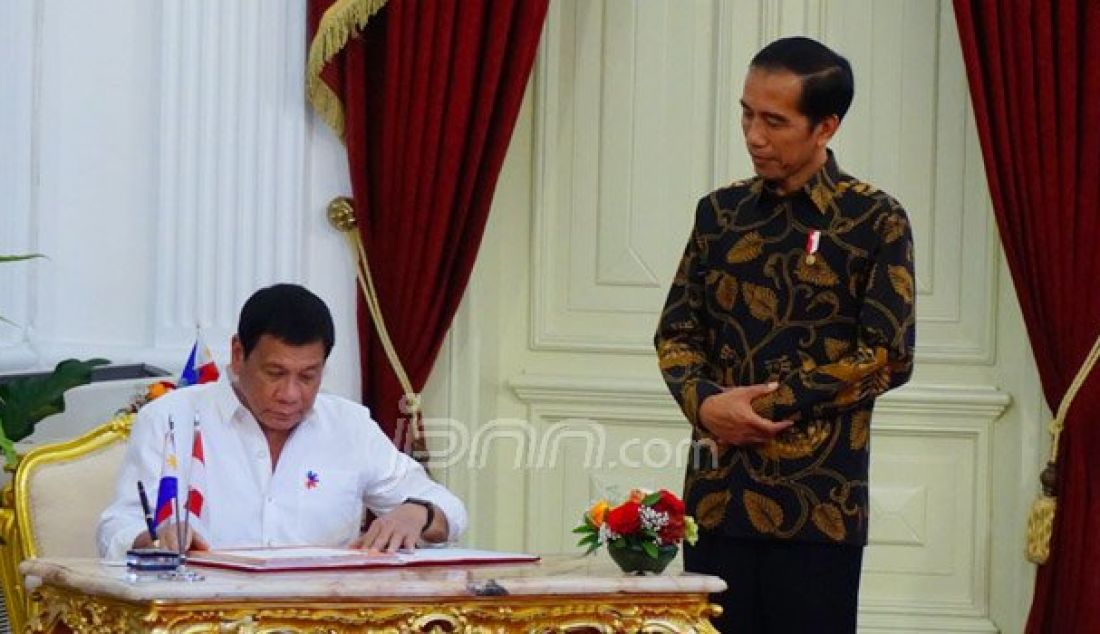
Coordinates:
[20,84]
[957,420]
[937,173]
[579,393]
[232,173]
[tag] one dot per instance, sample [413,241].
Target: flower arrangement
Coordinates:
[148,393]
[652,523]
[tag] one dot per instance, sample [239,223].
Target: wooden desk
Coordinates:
[560,594]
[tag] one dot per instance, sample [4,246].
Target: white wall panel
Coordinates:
[19,30]
[162,155]
[628,137]
[232,160]
[928,551]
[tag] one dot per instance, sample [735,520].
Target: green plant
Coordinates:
[27,400]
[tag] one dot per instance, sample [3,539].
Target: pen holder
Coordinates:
[153,560]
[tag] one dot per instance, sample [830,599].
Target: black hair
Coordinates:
[288,312]
[827,81]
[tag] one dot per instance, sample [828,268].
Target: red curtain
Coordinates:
[1034,73]
[430,91]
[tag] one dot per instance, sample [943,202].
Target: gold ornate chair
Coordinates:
[53,504]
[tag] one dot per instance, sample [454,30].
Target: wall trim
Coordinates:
[976,400]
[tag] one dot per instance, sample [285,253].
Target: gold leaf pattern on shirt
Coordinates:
[836,348]
[765,404]
[861,430]
[762,301]
[712,509]
[817,273]
[828,520]
[765,513]
[891,227]
[750,246]
[672,355]
[727,291]
[902,282]
[796,442]
[822,195]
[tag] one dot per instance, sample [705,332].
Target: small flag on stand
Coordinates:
[196,477]
[169,480]
[200,366]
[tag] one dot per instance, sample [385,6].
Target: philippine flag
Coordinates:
[169,480]
[200,366]
[196,477]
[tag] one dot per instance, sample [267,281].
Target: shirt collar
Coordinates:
[821,188]
[225,398]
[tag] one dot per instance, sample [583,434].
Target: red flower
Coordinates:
[672,532]
[624,519]
[669,503]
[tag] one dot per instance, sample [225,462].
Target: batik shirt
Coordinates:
[760,297]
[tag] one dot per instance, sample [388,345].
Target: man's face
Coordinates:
[785,148]
[278,381]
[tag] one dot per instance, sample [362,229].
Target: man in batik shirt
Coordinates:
[792,309]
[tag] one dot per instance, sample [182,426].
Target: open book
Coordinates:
[321,558]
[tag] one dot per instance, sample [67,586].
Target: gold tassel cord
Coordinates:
[1040,522]
[341,215]
[339,23]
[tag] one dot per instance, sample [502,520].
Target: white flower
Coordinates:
[606,534]
[652,519]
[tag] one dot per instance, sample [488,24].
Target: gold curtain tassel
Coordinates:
[341,215]
[1040,521]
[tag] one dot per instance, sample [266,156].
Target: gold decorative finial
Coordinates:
[341,214]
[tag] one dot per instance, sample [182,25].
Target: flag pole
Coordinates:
[176,498]
[190,469]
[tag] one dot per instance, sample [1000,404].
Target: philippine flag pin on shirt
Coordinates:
[312,480]
[813,240]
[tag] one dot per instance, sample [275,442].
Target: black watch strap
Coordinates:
[427,505]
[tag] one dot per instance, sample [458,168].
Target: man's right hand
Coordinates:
[730,417]
[169,539]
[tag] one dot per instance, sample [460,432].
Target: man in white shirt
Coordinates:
[284,465]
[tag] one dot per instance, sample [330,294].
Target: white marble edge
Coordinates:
[554,575]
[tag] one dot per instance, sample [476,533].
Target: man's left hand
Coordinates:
[398,529]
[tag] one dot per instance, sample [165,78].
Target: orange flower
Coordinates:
[598,512]
[158,389]
[636,495]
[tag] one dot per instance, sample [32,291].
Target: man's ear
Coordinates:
[825,130]
[236,354]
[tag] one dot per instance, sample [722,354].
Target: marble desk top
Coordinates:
[553,575]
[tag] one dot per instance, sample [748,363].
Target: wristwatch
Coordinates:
[427,505]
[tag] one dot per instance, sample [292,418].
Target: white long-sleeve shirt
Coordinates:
[335,462]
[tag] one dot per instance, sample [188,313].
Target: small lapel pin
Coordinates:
[813,240]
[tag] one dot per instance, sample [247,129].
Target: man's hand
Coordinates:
[730,417]
[398,529]
[169,539]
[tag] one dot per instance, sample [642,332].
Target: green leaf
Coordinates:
[589,539]
[17,258]
[583,529]
[25,401]
[651,499]
[650,549]
[8,447]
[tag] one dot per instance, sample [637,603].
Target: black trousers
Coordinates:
[780,587]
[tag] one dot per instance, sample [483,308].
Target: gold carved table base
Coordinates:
[64,610]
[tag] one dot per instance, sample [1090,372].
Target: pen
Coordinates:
[148,514]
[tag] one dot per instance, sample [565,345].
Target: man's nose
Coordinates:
[288,390]
[754,133]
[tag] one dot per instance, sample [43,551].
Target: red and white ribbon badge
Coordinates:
[813,240]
